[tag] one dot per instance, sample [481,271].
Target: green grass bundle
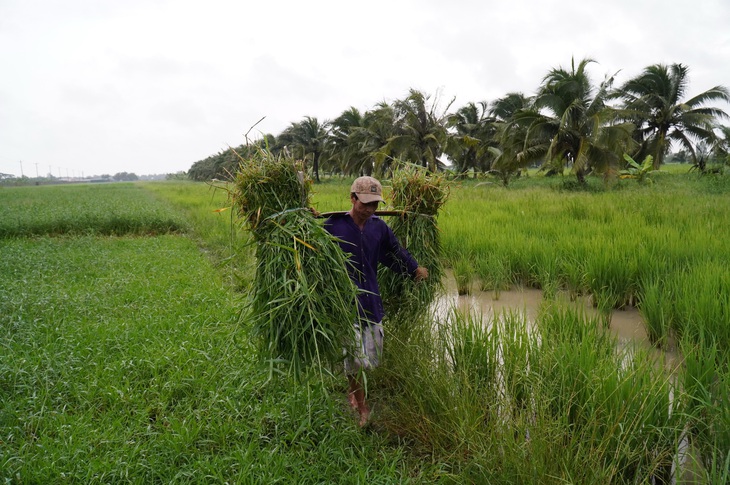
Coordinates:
[268,185]
[420,195]
[302,302]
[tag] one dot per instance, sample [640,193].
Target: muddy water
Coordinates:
[627,324]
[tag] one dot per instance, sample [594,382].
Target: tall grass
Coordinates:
[464,274]
[706,400]
[655,306]
[503,403]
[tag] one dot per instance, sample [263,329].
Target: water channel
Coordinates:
[626,324]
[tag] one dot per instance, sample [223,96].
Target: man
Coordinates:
[368,241]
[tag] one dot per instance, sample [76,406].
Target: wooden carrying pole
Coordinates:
[377,213]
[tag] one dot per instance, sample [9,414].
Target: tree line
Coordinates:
[569,123]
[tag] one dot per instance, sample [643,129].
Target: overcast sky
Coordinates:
[151,86]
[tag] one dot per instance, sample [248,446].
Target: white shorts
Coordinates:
[367,348]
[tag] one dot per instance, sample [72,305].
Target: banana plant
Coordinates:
[637,171]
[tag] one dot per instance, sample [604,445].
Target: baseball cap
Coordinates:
[367,190]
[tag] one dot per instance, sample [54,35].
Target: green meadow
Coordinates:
[125,353]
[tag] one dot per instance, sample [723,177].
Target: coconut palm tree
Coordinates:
[654,102]
[306,139]
[372,139]
[342,147]
[421,130]
[474,130]
[721,149]
[572,125]
[513,150]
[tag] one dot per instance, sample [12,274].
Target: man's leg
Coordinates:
[356,394]
[369,345]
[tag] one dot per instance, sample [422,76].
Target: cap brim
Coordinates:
[368,198]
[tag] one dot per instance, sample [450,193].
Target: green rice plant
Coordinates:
[427,403]
[420,196]
[573,275]
[706,400]
[517,344]
[611,277]
[615,410]
[523,256]
[577,209]
[573,346]
[572,324]
[494,274]
[702,303]
[303,303]
[447,397]
[547,274]
[472,347]
[206,208]
[719,469]
[640,425]
[463,270]
[655,304]
[605,301]
[114,209]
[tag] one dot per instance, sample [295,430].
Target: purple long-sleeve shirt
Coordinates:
[374,244]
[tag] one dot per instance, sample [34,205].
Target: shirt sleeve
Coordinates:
[395,256]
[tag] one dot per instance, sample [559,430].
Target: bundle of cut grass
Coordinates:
[302,302]
[268,185]
[420,195]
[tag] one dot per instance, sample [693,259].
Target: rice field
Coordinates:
[124,359]
[55,210]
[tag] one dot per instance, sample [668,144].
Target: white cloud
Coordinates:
[153,86]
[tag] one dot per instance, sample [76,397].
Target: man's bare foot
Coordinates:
[353,401]
[364,417]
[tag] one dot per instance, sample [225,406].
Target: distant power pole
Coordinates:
[36,170]
[21,169]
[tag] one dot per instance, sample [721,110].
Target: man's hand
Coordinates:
[420,274]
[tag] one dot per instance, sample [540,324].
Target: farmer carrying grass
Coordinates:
[367,240]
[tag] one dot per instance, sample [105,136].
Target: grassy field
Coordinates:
[54,210]
[124,357]
[123,360]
